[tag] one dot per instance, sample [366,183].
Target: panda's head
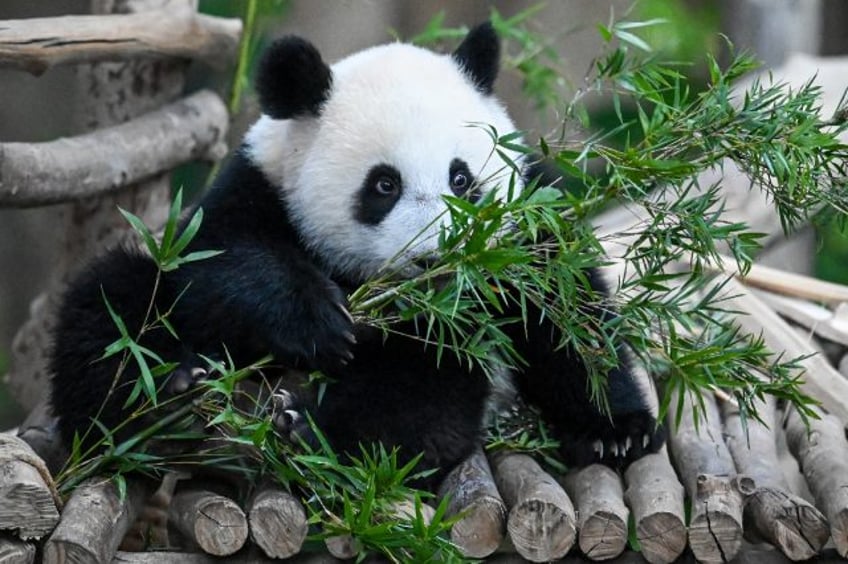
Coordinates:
[363,151]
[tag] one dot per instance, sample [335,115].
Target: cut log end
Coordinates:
[540,530]
[277,523]
[213,522]
[715,536]
[603,536]
[481,529]
[662,537]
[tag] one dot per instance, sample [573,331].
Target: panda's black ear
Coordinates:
[479,55]
[292,80]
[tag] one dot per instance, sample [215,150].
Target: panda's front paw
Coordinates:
[615,443]
[320,331]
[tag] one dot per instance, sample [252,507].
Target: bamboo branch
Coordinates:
[36,44]
[37,174]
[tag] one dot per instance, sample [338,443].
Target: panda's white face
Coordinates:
[364,180]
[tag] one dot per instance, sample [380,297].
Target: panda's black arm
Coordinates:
[256,298]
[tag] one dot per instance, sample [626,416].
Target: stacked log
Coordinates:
[472,493]
[602,516]
[541,520]
[655,496]
[709,476]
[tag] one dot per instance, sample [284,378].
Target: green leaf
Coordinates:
[140,228]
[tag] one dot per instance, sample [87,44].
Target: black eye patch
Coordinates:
[378,194]
[462,182]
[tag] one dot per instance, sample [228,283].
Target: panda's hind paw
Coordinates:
[287,415]
[186,376]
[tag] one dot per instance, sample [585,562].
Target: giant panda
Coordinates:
[346,165]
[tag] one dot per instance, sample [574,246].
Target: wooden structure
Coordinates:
[511,509]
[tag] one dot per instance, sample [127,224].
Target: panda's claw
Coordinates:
[598,447]
[346,313]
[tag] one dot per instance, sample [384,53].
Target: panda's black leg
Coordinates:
[556,380]
[559,387]
[394,392]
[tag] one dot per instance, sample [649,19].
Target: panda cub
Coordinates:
[346,166]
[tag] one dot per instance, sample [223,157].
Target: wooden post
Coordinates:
[472,492]
[602,515]
[655,497]
[541,517]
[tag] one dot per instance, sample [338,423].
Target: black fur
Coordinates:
[268,293]
[479,55]
[292,80]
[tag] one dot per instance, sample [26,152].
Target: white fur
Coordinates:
[394,104]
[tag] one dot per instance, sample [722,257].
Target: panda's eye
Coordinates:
[386,186]
[459,183]
[461,180]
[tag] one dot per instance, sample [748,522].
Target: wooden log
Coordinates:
[823,456]
[37,174]
[247,556]
[471,490]
[708,474]
[541,521]
[789,283]
[655,496]
[213,522]
[830,325]
[343,547]
[28,499]
[36,44]
[15,551]
[771,511]
[94,522]
[821,380]
[602,516]
[277,522]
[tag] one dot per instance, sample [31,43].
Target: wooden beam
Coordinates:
[36,44]
[37,174]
